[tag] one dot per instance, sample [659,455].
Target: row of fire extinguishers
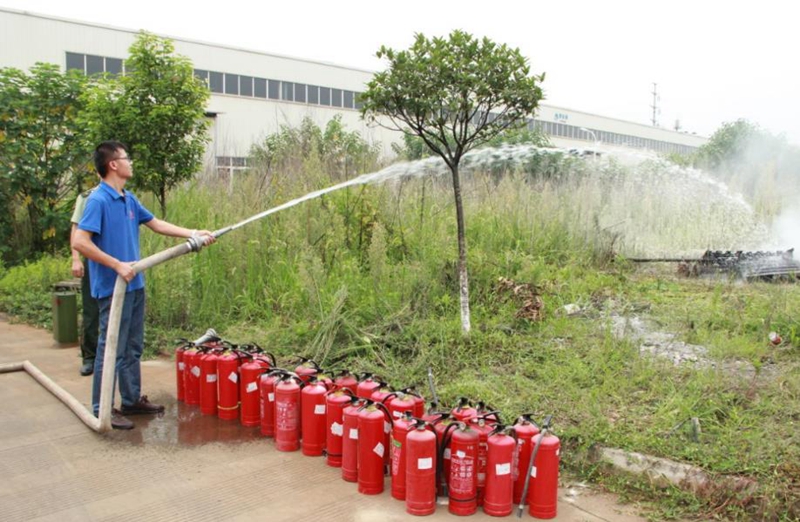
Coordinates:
[369,430]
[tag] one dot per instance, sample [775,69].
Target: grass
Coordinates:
[365,278]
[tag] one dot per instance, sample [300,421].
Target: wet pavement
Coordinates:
[180,465]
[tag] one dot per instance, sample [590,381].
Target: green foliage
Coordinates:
[25,289]
[41,157]
[157,109]
[414,147]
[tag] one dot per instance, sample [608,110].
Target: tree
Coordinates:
[454,94]
[41,157]
[157,109]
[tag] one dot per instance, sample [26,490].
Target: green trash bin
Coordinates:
[65,317]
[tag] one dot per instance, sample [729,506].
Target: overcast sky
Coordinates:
[714,61]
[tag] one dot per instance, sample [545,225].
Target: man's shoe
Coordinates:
[142,406]
[87,368]
[118,422]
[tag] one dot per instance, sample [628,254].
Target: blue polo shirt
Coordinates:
[114,222]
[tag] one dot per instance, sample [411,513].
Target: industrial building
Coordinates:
[254,93]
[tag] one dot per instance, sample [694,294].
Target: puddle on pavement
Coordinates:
[184,425]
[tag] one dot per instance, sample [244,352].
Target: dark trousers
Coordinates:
[91,318]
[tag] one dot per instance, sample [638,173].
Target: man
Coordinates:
[108,235]
[90,314]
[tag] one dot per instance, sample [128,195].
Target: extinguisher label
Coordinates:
[460,454]
[181,365]
[533,472]
[426,463]
[447,453]
[271,397]
[337,429]
[319,409]
[558,452]
[379,449]
[252,387]
[396,414]
[196,371]
[386,427]
[354,433]
[211,377]
[502,469]
[233,377]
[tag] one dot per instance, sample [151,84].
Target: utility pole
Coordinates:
[655,104]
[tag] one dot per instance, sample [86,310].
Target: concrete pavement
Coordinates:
[179,466]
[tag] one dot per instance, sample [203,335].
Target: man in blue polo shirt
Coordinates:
[108,235]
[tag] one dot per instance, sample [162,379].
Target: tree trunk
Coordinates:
[162,200]
[463,282]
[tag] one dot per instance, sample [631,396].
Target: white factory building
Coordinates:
[253,93]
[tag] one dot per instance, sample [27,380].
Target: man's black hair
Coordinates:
[104,153]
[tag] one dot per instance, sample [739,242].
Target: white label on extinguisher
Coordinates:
[337,429]
[447,453]
[252,387]
[533,472]
[379,449]
[397,414]
[233,377]
[426,463]
[558,452]
[181,365]
[386,427]
[319,409]
[354,433]
[196,371]
[460,454]
[271,397]
[502,469]
[211,377]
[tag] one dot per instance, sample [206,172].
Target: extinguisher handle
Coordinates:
[386,411]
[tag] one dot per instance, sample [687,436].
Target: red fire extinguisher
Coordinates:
[525,428]
[421,464]
[287,413]
[313,417]
[372,420]
[179,367]
[345,379]
[402,425]
[484,424]
[464,411]
[228,385]
[366,385]
[463,485]
[541,488]
[249,377]
[208,383]
[419,401]
[306,369]
[266,389]
[498,495]
[440,427]
[399,403]
[350,440]
[191,376]
[336,401]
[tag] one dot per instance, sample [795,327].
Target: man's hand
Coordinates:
[207,235]
[125,270]
[77,268]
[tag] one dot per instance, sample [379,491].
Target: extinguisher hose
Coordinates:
[524,497]
[446,436]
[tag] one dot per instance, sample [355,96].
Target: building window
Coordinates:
[287,91]
[336,97]
[94,65]
[76,61]
[114,66]
[260,87]
[215,81]
[348,100]
[358,103]
[246,85]
[300,92]
[202,75]
[274,90]
[324,96]
[313,94]
[231,83]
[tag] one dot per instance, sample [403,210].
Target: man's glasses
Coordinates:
[129,160]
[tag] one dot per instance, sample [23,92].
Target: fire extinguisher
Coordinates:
[350,439]
[266,389]
[421,452]
[287,413]
[440,427]
[462,487]
[463,410]
[306,369]
[525,428]
[191,376]
[345,379]
[228,385]
[313,417]
[336,401]
[208,382]
[249,378]
[484,424]
[541,481]
[400,430]
[366,385]
[498,494]
[419,401]
[398,403]
[372,421]
[179,366]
